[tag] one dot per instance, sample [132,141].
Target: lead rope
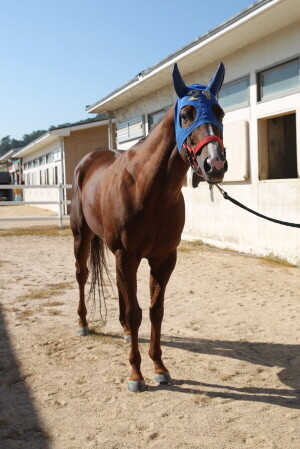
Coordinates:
[237,203]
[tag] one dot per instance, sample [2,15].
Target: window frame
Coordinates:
[282,93]
[127,124]
[162,110]
[244,104]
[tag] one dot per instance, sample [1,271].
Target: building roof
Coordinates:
[260,19]
[66,130]
[98,118]
[9,154]
[56,134]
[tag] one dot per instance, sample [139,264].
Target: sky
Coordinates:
[57,56]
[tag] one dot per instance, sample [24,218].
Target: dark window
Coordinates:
[55,175]
[279,157]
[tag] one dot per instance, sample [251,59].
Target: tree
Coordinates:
[5,145]
[28,138]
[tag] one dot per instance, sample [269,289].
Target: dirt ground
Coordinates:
[230,340]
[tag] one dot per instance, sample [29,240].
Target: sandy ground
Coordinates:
[230,340]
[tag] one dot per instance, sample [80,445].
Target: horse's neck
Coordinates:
[157,158]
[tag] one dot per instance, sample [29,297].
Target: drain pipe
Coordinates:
[63,174]
[110,131]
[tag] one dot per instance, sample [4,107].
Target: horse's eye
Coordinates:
[183,118]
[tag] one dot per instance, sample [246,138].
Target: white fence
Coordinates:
[61,202]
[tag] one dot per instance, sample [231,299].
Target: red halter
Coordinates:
[197,149]
[192,152]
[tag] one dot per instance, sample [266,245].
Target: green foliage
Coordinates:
[28,138]
[7,143]
[81,122]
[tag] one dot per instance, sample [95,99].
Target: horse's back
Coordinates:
[95,160]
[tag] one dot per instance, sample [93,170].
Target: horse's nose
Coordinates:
[215,160]
[214,167]
[214,176]
[214,163]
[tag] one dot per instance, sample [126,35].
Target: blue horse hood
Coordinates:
[203,100]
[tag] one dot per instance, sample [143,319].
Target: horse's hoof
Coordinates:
[163,379]
[127,338]
[83,331]
[137,386]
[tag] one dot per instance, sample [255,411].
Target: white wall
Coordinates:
[276,198]
[43,194]
[208,216]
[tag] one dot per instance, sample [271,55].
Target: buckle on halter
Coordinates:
[191,157]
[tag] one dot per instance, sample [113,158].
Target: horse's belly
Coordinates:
[153,236]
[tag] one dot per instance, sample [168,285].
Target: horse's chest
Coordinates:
[142,221]
[151,232]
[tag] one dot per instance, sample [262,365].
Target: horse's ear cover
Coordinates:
[216,81]
[201,97]
[179,85]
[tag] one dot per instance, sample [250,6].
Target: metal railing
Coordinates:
[61,202]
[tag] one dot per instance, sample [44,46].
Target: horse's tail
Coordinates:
[100,276]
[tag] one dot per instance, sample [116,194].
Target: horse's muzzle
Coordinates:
[214,176]
[214,169]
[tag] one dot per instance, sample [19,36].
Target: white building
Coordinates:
[260,48]
[51,159]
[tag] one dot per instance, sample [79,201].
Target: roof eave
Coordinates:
[67,130]
[55,135]
[46,138]
[6,156]
[142,82]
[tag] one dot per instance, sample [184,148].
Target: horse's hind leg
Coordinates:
[82,240]
[161,270]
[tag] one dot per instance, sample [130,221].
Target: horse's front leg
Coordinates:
[161,270]
[126,268]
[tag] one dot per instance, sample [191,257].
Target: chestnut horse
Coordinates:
[131,201]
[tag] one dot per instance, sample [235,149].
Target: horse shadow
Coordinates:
[282,356]
[20,425]
[285,356]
